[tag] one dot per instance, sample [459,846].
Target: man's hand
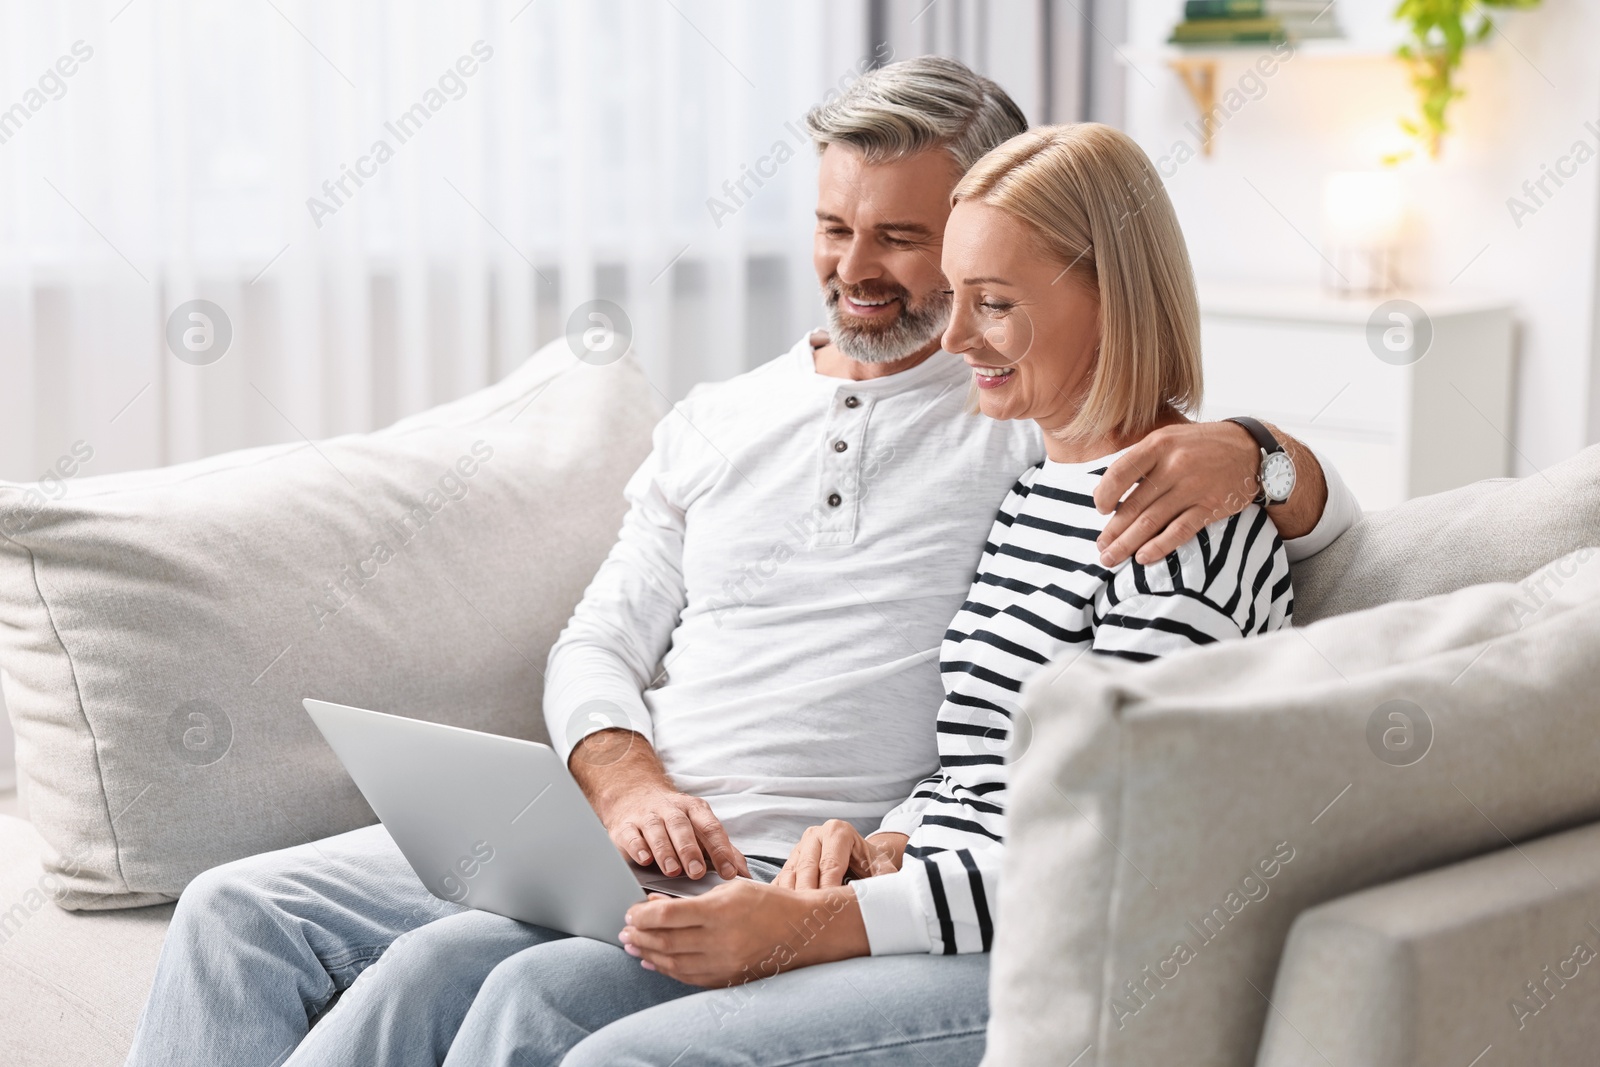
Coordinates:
[743,931]
[828,854]
[643,811]
[1189,475]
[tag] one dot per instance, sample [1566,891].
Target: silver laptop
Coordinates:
[493,823]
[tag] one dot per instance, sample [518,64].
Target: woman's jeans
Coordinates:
[259,949]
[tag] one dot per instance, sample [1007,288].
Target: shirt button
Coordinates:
[839,446]
[834,500]
[852,401]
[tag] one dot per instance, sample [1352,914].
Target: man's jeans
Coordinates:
[259,948]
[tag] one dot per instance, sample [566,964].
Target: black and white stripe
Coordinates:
[1040,591]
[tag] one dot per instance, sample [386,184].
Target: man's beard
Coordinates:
[907,333]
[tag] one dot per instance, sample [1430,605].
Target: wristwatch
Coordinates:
[1276,476]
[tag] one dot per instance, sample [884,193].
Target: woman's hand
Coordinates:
[744,930]
[829,853]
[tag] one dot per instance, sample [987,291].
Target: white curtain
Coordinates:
[514,160]
[394,203]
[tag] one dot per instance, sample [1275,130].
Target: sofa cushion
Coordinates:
[1491,531]
[1436,968]
[159,629]
[1169,820]
[71,986]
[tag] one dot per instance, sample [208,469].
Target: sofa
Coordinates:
[1370,839]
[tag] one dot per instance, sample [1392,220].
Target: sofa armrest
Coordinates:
[1500,951]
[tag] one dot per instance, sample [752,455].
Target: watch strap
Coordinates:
[1269,444]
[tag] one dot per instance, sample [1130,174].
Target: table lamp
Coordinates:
[1362,214]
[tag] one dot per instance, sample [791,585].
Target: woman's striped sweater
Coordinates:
[1040,593]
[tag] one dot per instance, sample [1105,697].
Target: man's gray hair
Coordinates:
[915,104]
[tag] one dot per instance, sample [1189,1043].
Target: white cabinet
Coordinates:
[1310,364]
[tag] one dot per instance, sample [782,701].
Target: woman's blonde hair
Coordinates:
[1095,203]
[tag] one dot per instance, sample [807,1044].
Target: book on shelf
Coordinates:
[1222,9]
[1232,38]
[1241,30]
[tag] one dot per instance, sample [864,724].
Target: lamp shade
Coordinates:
[1362,208]
[1362,214]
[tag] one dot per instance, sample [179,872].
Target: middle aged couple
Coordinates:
[762,720]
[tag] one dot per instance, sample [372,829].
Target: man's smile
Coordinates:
[875,307]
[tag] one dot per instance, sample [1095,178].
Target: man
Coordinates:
[757,655]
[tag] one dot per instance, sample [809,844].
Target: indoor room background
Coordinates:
[538,155]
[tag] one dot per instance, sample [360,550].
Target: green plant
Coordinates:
[1439,30]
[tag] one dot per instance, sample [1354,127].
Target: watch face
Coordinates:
[1277,477]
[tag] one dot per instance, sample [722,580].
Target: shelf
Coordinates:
[1199,76]
[1310,48]
[1196,66]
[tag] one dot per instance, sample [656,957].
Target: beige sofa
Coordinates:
[1401,930]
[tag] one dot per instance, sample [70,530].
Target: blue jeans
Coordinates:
[260,948]
[582,1003]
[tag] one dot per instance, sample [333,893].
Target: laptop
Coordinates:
[493,823]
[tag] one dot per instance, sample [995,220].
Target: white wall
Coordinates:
[1529,92]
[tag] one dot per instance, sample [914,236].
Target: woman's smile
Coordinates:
[991,377]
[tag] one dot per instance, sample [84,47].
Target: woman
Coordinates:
[1074,304]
